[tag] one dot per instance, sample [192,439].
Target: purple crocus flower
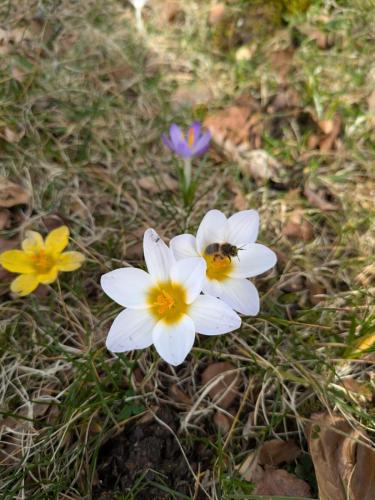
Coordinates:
[195,143]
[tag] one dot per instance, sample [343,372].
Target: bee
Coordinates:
[222,250]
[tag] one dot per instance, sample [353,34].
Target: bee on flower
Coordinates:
[164,306]
[231,254]
[40,261]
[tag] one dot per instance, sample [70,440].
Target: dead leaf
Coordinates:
[250,470]
[344,467]
[297,227]
[322,39]
[319,196]
[286,98]
[12,136]
[371,107]
[179,395]
[226,383]
[217,13]
[358,389]
[158,184]
[239,201]
[53,221]
[281,483]
[315,290]
[190,96]
[222,422]
[332,129]
[4,218]
[167,11]
[271,481]
[277,451]
[281,61]
[237,127]
[8,244]
[260,165]
[12,194]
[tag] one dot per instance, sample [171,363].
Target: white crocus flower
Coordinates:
[138,5]
[164,305]
[231,254]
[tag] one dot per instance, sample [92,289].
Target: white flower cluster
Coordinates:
[165,306]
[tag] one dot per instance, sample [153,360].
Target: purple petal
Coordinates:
[183,150]
[167,142]
[196,126]
[203,144]
[176,135]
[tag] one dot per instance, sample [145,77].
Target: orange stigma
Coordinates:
[191,137]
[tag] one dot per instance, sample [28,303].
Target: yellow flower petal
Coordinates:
[70,261]
[16,261]
[33,242]
[57,240]
[48,277]
[24,284]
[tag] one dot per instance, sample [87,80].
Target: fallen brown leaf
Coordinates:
[332,129]
[344,466]
[277,451]
[222,422]
[190,96]
[239,201]
[271,481]
[315,289]
[286,98]
[4,218]
[167,11]
[236,126]
[227,379]
[52,221]
[281,483]
[371,107]
[359,390]
[217,13]
[12,136]
[319,196]
[297,227]
[12,194]
[281,62]
[158,184]
[260,165]
[250,470]
[179,395]
[322,39]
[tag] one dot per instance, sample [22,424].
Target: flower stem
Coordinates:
[139,20]
[187,172]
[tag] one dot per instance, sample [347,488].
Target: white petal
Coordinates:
[212,229]
[243,227]
[241,295]
[174,342]
[132,329]
[252,260]
[127,286]
[183,246]
[212,287]
[190,273]
[158,256]
[212,316]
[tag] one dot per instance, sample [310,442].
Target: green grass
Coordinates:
[92,102]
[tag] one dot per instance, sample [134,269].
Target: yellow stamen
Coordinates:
[191,137]
[42,262]
[167,302]
[219,267]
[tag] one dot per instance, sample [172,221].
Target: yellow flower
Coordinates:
[40,260]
